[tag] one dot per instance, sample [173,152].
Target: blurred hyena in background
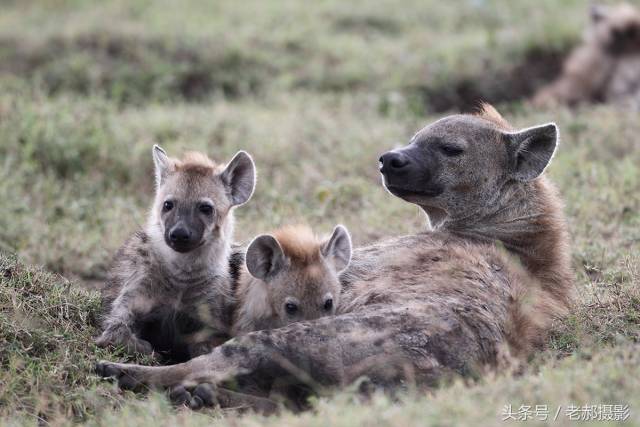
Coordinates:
[606,66]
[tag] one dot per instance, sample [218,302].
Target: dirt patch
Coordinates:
[133,69]
[520,81]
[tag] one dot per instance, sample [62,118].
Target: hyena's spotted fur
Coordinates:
[483,286]
[606,66]
[290,276]
[169,289]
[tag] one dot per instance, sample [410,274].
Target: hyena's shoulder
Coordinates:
[397,270]
[133,260]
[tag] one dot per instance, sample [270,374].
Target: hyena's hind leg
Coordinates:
[331,351]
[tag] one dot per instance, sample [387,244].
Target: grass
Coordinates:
[314,92]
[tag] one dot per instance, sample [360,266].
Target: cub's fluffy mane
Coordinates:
[299,243]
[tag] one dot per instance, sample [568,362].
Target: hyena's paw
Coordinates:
[138,345]
[131,344]
[202,396]
[126,379]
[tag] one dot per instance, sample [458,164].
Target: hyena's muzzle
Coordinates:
[410,172]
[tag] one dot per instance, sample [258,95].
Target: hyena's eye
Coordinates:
[328,304]
[205,208]
[291,308]
[167,206]
[451,150]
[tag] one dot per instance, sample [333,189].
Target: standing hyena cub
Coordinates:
[169,289]
[290,276]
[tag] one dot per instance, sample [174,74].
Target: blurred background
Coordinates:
[315,91]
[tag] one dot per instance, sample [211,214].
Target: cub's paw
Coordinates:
[137,345]
[202,396]
[124,376]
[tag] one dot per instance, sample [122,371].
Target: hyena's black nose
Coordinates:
[180,235]
[393,161]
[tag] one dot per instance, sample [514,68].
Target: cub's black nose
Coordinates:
[180,235]
[393,161]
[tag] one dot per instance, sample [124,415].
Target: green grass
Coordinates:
[315,92]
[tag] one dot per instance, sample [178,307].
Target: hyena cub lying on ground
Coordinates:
[290,276]
[485,284]
[606,66]
[169,289]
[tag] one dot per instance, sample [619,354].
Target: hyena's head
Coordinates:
[299,271]
[616,29]
[195,196]
[459,165]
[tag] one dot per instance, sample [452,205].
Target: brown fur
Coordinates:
[489,113]
[299,243]
[606,66]
[482,286]
[307,279]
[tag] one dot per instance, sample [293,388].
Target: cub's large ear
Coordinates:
[531,150]
[240,176]
[265,257]
[163,164]
[598,12]
[338,248]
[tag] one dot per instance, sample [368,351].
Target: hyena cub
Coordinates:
[606,66]
[169,289]
[290,276]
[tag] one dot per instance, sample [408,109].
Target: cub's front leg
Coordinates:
[119,324]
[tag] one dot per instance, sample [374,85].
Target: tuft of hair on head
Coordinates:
[196,162]
[299,243]
[488,112]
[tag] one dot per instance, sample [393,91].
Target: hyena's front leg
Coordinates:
[384,344]
[118,325]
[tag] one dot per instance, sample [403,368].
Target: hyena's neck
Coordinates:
[528,221]
[198,267]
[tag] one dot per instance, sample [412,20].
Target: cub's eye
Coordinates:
[291,308]
[451,150]
[328,304]
[167,206]
[205,208]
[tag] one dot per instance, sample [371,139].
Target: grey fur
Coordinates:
[178,302]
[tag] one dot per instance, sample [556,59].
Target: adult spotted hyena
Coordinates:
[486,282]
[169,289]
[606,66]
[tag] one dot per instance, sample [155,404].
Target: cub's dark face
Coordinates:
[460,164]
[194,198]
[192,210]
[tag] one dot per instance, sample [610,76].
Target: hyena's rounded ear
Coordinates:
[531,150]
[240,176]
[264,258]
[338,248]
[598,12]
[162,164]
